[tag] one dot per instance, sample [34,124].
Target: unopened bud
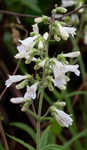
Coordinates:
[61,10]
[26,105]
[45,19]
[22,84]
[60,104]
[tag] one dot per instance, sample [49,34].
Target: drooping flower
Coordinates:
[14,78]
[31,91]
[63,118]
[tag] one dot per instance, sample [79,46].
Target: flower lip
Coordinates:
[31,91]
[28,41]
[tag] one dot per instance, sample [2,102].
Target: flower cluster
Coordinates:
[52,71]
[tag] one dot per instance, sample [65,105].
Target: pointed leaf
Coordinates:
[21,142]
[26,128]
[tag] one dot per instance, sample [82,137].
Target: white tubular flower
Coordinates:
[60,82]
[58,68]
[45,36]
[17,100]
[70,30]
[31,91]
[72,68]
[72,54]
[68,3]
[65,31]
[35,28]
[28,41]
[59,71]
[62,32]
[26,47]
[22,52]
[63,118]
[13,79]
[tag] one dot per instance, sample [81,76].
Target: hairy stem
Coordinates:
[38,120]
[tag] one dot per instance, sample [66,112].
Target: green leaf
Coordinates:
[79,135]
[26,128]
[47,137]
[48,99]
[1,147]
[55,127]
[21,142]
[44,137]
[52,147]
[76,93]
[32,4]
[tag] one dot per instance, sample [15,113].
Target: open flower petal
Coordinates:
[14,78]
[28,41]
[31,91]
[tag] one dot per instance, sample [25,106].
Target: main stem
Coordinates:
[38,120]
[42,94]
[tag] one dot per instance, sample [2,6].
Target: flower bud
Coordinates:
[54,11]
[26,105]
[45,19]
[22,84]
[60,104]
[61,10]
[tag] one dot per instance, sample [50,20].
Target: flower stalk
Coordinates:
[39,119]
